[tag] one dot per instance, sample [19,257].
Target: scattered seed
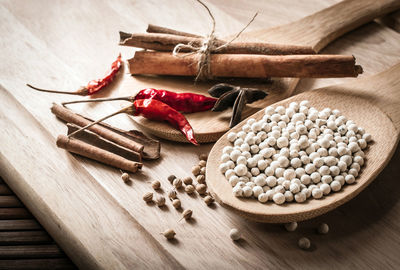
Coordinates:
[203,171]
[196,170]
[156,184]
[148,197]
[187,214]
[202,163]
[125,177]
[208,200]
[171,178]
[176,203]
[169,234]
[235,234]
[189,189]
[203,157]
[323,228]
[177,183]
[172,194]
[160,201]
[187,180]
[291,227]
[304,243]
[201,189]
[201,179]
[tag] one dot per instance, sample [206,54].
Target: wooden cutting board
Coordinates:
[102,223]
[316,31]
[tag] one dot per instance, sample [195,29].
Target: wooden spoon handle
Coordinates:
[319,29]
[330,23]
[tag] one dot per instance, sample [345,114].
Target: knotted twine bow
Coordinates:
[207,47]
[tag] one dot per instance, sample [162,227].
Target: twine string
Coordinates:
[206,48]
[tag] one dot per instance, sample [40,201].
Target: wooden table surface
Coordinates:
[102,223]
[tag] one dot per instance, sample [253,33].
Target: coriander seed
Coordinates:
[235,234]
[187,214]
[323,228]
[177,183]
[304,243]
[202,163]
[189,189]
[208,200]
[203,157]
[201,189]
[148,197]
[125,177]
[201,179]
[187,180]
[203,171]
[196,170]
[171,178]
[156,184]
[172,194]
[160,201]
[291,227]
[169,234]
[176,203]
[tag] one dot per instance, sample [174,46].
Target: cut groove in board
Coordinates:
[316,30]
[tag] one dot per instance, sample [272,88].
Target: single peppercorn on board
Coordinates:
[209,126]
[370,102]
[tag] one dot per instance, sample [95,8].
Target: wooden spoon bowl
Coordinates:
[373,103]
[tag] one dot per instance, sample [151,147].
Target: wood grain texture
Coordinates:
[316,30]
[376,111]
[85,206]
[25,264]
[17,225]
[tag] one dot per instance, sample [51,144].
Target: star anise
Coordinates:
[236,97]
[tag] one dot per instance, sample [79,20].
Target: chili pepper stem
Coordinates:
[96,100]
[80,92]
[123,110]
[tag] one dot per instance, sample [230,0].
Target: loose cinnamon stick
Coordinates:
[167,42]
[247,66]
[151,28]
[81,148]
[99,142]
[71,117]
[151,148]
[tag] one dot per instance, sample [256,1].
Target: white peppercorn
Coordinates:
[304,243]
[323,228]
[291,227]
[235,234]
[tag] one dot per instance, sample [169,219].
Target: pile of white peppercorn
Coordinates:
[294,153]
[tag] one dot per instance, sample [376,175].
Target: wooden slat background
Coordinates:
[24,243]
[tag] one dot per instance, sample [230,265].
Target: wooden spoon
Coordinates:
[316,30]
[373,103]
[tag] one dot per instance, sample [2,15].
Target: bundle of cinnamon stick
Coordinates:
[236,59]
[109,145]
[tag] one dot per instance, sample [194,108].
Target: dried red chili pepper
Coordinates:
[93,86]
[183,102]
[154,110]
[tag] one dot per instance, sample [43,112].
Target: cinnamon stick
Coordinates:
[247,66]
[68,116]
[97,141]
[151,28]
[167,42]
[84,149]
